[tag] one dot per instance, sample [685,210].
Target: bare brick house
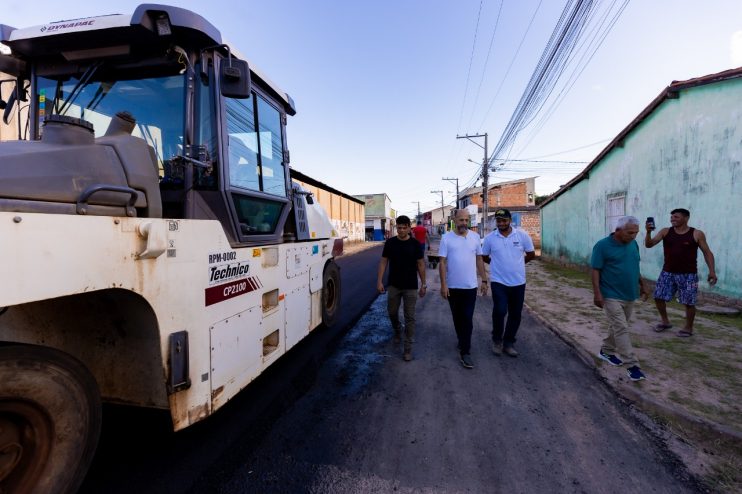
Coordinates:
[519,196]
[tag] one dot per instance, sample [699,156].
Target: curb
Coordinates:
[646,403]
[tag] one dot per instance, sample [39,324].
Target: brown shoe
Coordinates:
[397,338]
[509,351]
[407,356]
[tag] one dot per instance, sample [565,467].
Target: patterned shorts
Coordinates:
[686,284]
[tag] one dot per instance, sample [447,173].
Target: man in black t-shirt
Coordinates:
[405,259]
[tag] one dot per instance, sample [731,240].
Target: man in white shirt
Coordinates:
[504,249]
[460,260]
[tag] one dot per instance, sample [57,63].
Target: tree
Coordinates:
[541,199]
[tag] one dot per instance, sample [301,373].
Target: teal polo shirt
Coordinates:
[619,268]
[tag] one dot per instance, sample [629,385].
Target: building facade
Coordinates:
[346,213]
[438,220]
[683,151]
[518,196]
[379,220]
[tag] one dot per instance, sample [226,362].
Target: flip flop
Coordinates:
[658,328]
[684,334]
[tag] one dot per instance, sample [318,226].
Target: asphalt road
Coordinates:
[138,452]
[542,422]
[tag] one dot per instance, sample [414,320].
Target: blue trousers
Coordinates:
[462,302]
[506,301]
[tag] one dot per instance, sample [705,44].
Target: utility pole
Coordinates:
[441,193]
[485,178]
[457,188]
[418,211]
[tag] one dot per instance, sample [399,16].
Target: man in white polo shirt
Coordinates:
[507,249]
[460,260]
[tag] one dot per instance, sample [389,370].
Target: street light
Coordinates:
[485,176]
[441,193]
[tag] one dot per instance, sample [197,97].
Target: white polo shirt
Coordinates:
[507,264]
[461,258]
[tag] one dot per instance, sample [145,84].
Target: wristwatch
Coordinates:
[425,285]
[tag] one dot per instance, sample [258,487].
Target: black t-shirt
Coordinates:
[402,256]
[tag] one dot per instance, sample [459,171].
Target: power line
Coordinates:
[573,149]
[471,60]
[454,152]
[510,66]
[549,66]
[486,62]
[547,161]
[567,46]
[588,49]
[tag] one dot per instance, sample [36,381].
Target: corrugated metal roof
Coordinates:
[670,92]
[297,175]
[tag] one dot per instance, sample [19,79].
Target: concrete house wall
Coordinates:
[379,220]
[685,152]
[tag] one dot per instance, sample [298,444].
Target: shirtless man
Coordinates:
[680,270]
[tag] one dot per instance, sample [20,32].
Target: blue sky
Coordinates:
[381,86]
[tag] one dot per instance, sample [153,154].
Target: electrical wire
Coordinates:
[510,66]
[570,150]
[486,62]
[550,64]
[569,46]
[471,60]
[600,32]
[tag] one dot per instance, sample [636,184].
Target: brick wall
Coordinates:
[515,194]
[530,221]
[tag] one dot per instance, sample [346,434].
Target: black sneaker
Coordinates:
[611,359]
[467,362]
[635,373]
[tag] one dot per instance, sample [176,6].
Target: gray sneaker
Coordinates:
[467,362]
[497,347]
[509,351]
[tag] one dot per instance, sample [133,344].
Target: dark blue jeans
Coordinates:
[462,302]
[506,301]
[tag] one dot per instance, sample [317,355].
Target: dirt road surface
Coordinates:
[371,422]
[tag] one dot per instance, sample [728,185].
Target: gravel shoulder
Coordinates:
[693,386]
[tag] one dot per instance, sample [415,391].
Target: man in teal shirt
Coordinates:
[616,285]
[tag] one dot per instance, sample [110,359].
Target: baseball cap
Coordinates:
[503,213]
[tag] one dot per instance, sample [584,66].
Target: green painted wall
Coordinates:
[687,153]
[565,234]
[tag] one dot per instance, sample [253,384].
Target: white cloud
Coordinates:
[736,49]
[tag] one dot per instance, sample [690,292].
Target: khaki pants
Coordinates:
[618,341]
[395,297]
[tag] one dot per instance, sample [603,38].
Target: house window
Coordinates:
[615,209]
